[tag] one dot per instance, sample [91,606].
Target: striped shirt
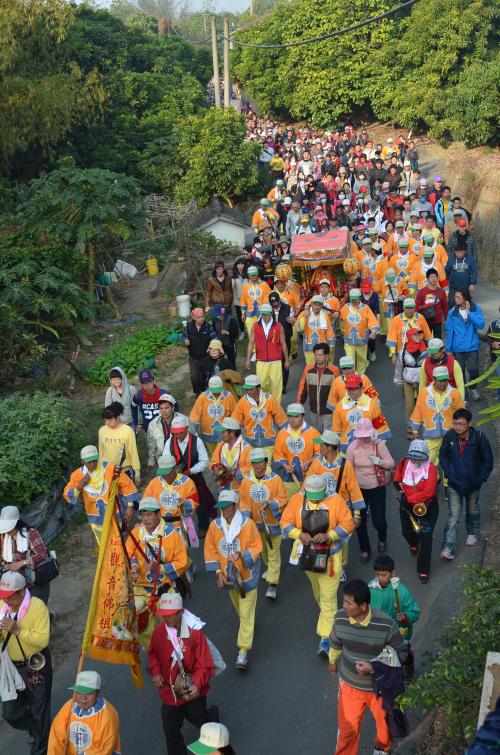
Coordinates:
[363,642]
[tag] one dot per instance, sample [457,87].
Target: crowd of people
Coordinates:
[242,471]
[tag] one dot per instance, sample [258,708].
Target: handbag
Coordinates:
[428,312]
[384,476]
[46,572]
[314,557]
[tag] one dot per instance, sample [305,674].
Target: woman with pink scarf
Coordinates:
[416,479]
[372,464]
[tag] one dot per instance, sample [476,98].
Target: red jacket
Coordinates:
[424,491]
[268,349]
[441,303]
[197,661]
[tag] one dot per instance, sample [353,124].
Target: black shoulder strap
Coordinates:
[341,473]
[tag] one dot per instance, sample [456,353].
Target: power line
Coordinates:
[331,34]
[189,41]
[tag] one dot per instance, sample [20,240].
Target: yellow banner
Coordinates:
[111,633]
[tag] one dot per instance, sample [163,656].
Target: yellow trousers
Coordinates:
[249,321]
[434,446]
[291,488]
[324,588]
[271,378]
[383,322]
[245,608]
[210,448]
[359,354]
[272,558]
[345,554]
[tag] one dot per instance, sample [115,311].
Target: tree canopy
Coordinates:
[419,68]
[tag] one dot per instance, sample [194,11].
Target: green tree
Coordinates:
[424,76]
[87,208]
[472,107]
[217,160]
[42,97]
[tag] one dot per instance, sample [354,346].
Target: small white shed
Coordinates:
[225,223]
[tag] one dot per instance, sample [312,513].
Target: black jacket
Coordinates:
[199,339]
[284,312]
[468,471]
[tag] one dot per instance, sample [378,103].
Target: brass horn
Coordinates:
[416,526]
[36,661]
[420,509]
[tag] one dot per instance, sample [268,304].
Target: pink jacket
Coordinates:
[359,457]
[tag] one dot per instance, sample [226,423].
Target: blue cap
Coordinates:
[145,376]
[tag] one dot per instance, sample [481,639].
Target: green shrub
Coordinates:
[35,444]
[454,681]
[130,354]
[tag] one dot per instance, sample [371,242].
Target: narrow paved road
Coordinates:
[285,704]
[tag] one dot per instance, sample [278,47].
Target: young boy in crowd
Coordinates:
[388,594]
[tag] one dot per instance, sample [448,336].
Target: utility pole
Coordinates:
[226,62]
[215,59]
[251,7]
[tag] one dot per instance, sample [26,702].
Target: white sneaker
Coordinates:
[471,540]
[372,357]
[241,336]
[343,576]
[380,752]
[242,660]
[271,592]
[253,358]
[446,555]
[264,575]
[475,394]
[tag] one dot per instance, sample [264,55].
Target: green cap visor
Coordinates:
[224,504]
[315,495]
[94,457]
[165,470]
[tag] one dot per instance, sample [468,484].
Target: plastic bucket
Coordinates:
[183,306]
[152,266]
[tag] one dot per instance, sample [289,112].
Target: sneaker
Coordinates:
[372,357]
[324,647]
[446,555]
[264,575]
[475,394]
[364,557]
[413,550]
[253,358]
[343,575]
[190,574]
[241,337]
[424,578]
[382,547]
[271,592]
[242,660]
[378,751]
[471,540]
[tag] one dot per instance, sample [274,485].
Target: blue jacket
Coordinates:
[461,273]
[461,335]
[468,471]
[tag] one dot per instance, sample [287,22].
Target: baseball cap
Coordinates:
[354,293]
[434,345]
[166,397]
[438,180]
[166,464]
[215,384]
[227,498]
[317,299]
[179,423]
[89,453]
[266,309]
[86,682]
[315,487]
[9,517]
[461,222]
[10,583]
[366,285]
[252,270]
[213,736]
[440,373]
[402,243]
[294,410]
[149,504]
[345,362]
[145,376]
[326,281]
[169,603]
[257,454]
[353,381]
[329,437]
[413,331]
[288,201]
[251,382]
[228,423]
[409,302]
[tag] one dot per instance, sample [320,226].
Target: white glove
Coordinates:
[376,460]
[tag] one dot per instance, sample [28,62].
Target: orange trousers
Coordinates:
[352,706]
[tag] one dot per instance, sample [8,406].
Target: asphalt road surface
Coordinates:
[285,703]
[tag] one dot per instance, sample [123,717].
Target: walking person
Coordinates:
[267,337]
[117,443]
[219,291]
[145,404]
[215,362]
[197,335]
[461,272]
[181,667]
[360,325]
[121,390]
[25,630]
[232,550]
[159,429]
[92,721]
[22,550]
[466,459]
[239,278]
[319,525]
[227,330]
[210,408]
[416,480]
[407,370]
[372,464]
[359,634]
[431,302]
[464,321]
[315,385]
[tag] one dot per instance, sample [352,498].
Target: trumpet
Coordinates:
[420,509]
[416,526]
[36,661]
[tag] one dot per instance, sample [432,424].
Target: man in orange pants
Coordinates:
[358,636]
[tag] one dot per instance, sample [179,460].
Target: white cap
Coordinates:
[167,462]
[315,485]
[294,410]
[213,736]
[229,495]
[89,453]
[9,517]
[167,397]
[87,681]
[257,454]
[180,421]
[345,362]
[325,280]
[149,504]
[228,423]
[329,437]
[169,603]
[10,583]
[216,382]
[252,270]
[288,201]
[251,381]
